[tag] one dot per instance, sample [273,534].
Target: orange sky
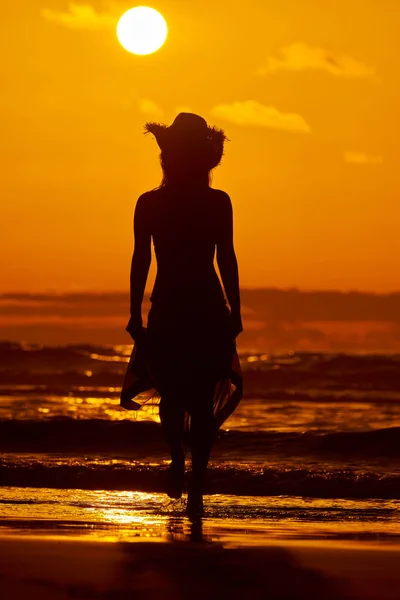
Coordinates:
[310,99]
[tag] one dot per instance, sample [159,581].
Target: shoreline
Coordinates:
[53,569]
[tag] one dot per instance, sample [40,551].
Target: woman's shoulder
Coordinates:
[220,197]
[151,194]
[148,198]
[220,194]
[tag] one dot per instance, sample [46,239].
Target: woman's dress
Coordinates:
[188,343]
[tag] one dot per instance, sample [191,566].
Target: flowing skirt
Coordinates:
[190,352]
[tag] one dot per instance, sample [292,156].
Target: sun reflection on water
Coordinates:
[133,516]
[105,358]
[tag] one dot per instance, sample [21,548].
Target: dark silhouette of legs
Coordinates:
[202,427]
[202,430]
[173,407]
[172,416]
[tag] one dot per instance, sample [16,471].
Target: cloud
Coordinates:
[81,16]
[360,158]
[275,319]
[251,112]
[301,57]
[150,108]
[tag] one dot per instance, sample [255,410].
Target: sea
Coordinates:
[312,451]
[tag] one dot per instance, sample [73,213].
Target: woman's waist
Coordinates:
[197,291]
[191,324]
[189,308]
[190,302]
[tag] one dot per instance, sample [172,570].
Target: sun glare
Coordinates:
[142,30]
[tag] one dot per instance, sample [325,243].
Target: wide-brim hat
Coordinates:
[190,133]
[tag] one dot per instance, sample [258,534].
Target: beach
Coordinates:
[215,184]
[302,495]
[50,569]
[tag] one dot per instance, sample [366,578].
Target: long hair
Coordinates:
[184,167]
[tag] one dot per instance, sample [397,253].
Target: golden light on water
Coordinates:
[142,30]
[115,516]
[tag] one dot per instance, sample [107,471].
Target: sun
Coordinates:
[142,30]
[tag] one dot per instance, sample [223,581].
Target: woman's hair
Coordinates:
[184,165]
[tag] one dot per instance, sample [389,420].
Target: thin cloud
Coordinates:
[360,158]
[150,108]
[301,57]
[81,16]
[252,113]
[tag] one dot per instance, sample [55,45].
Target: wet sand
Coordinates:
[84,544]
[46,568]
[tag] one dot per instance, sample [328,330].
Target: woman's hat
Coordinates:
[190,132]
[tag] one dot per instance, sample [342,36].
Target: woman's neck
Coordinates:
[187,184]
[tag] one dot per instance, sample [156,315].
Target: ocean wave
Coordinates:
[144,438]
[264,375]
[46,390]
[230,478]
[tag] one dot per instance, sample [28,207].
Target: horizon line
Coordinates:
[293,289]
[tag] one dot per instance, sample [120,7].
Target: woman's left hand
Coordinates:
[135,330]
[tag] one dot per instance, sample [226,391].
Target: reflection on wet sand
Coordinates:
[33,569]
[180,529]
[231,520]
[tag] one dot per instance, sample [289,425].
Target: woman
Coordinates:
[187,350]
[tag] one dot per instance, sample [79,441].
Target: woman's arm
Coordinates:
[227,263]
[141,260]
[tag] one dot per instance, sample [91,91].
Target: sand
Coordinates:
[48,568]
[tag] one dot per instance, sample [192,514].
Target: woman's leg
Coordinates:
[202,429]
[172,415]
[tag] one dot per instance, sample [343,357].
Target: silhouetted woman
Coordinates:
[187,353]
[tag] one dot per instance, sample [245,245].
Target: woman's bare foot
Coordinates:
[195,506]
[176,479]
